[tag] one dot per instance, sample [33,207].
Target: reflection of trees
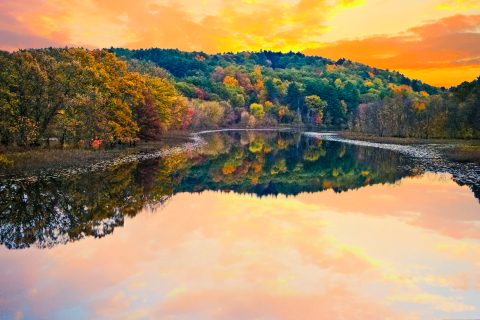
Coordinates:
[282,162]
[56,210]
[53,210]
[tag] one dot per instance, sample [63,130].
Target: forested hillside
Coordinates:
[271,87]
[265,88]
[404,113]
[80,97]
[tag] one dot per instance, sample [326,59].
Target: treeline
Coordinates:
[264,88]
[79,96]
[405,113]
[270,87]
[88,97]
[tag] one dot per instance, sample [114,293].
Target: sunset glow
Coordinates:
[249,159]
[230,256]
[437,41]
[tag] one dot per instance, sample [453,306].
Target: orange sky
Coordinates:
[437,41]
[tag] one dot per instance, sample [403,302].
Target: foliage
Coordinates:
[405,113]
[210,114]
[257,111]
[75,95]
[283,80]
[315,106]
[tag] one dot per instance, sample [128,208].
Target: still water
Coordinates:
[253,225]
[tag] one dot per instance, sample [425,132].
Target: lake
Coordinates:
[246,224]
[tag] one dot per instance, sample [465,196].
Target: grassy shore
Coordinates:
[462,150]
[25,161]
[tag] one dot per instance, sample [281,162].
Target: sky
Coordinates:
[437,41]
[241,257]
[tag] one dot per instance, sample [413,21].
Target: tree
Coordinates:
[78,94]
[257,110]
[294,97]
[271,90]
[230,81]
[8,98]
[208,114]
[315,106]
[33,103]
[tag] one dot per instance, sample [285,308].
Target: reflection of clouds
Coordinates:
[430,202]
[446,304]
[333,303]
[224,256]
[118,301]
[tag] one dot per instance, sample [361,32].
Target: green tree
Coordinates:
[315,106]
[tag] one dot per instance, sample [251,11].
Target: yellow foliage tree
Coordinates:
[230,81]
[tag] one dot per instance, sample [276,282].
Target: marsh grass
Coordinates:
[464,153]
[35,160]
[405,141]
[461,150]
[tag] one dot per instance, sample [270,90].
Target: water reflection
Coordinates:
[302,228]
[378,252]
[54,210]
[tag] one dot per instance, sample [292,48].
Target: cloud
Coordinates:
[20,27]
[445,304]
[442,52]
[459,4]
[214,26]
[11,40]
[439,46]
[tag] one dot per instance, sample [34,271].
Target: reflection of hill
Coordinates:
[51,211]
[289,164]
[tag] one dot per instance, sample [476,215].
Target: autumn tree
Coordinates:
[257,110]
[315,107]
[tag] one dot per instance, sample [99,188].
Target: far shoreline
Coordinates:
[21,161]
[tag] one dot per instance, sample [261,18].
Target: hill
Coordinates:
[82,97]
[280,82]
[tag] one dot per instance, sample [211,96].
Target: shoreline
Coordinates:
[54,161]
[400,140]
[45,160]
[459,150]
